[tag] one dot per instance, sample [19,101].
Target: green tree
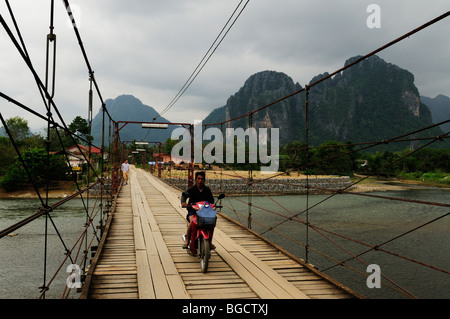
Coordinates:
[7,154]
[60,139]
[39,165]
[333,158]
[18,127]
[296,155]
[14,179]
[80,126]
[168,145]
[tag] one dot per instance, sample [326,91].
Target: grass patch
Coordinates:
[429,177]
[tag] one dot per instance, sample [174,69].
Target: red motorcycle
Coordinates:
[202,229]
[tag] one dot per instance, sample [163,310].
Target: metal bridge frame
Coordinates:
[147,142]
[116,168]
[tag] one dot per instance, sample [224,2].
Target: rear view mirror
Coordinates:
[221,196]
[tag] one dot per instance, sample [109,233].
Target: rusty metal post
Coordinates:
[307,175]
[115,172]
[159,159]
[250,178]
[191,164]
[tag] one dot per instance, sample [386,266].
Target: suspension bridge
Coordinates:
[136,247]
[141,256]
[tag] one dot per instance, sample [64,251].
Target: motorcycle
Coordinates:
[202,229]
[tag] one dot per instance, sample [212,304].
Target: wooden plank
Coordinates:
[152,263]
[138,236]
[144,276]
[166,280]
[273,278]
[174,280]
[115,277]
[260,289]
[177,287]
[103,295]
[280,287]
[164,254]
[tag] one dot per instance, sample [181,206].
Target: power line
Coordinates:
[206,58]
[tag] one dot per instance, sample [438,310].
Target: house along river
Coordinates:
[368,220]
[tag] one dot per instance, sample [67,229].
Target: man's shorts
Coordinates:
[190,213]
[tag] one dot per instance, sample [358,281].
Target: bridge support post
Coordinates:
[115,172]
[191,164]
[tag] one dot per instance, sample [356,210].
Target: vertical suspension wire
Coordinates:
[90,100]
[191,181]
[307,175]
[102,152]
[221,164]
[47,91]
[250,177]
[50,40]
[115,174]
[24,48]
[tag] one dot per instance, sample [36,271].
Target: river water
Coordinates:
[368,220]
[22,256]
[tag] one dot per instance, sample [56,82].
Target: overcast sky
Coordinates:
[149,48]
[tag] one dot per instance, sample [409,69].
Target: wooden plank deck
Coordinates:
[142,256]
[115,272]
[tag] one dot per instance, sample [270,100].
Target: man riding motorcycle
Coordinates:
[197,193]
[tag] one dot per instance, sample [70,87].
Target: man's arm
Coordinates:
[184,197]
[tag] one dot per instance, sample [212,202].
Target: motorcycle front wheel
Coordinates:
[205,254]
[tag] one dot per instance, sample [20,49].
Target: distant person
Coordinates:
[125,170]
[197,193]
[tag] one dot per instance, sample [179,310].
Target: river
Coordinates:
[22,255]
[369,220]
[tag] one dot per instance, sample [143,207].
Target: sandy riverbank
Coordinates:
[65,189]
[371,184]
[368,185]
[362,185]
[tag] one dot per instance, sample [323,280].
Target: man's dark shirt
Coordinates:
[195,195]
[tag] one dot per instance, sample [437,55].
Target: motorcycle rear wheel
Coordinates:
[205,254]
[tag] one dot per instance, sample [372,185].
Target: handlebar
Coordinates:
[189,207]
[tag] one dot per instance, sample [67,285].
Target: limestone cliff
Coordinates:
[372,101]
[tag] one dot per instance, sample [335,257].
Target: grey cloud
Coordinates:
[149,48]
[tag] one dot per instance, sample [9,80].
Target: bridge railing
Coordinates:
[102,183]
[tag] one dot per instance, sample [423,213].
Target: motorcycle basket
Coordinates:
[206,222]
[206,217]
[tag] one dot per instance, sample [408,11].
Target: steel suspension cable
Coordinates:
[205,58]
[347,187]
[399,289]
[41,86]
[371,145]
[377,247]
[47,93]
[382,48]
[83,51]
[16,27]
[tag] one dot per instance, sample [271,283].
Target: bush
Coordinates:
[36,162]
[14,179]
